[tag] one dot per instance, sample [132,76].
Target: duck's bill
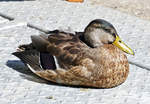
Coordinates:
[121,45]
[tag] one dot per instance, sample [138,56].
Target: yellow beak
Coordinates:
[121,45]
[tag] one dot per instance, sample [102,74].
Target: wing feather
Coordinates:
[66,47]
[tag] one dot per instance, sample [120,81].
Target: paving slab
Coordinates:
[20,86]
[133,7]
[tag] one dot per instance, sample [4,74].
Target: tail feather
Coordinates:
[30,57]
[36,61]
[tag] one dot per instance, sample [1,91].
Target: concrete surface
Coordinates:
[19,86]
[139,8]
[2,20]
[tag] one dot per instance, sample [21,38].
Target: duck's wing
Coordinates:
[66,47]
[77,75]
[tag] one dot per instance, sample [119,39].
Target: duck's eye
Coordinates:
[119,41]
[108,30]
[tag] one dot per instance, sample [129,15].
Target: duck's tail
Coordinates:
[35,60]
[29,58]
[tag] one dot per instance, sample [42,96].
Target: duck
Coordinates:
[92,58]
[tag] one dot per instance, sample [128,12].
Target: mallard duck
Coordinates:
[93,58]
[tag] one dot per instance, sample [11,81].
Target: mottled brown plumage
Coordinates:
[83,60]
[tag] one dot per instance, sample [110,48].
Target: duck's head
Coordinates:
[100,32]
